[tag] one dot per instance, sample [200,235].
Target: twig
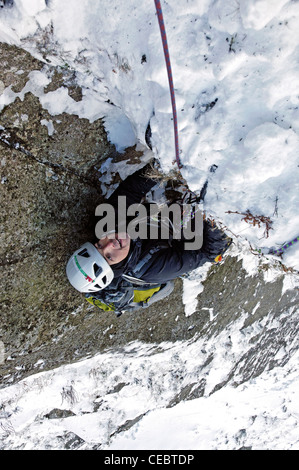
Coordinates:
[255,220]
[69,394]
[276,207]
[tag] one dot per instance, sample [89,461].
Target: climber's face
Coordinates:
[114,247]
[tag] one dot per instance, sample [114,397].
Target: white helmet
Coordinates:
[87,270]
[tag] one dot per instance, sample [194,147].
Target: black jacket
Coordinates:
[162,260]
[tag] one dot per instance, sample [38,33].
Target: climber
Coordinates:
[122,272]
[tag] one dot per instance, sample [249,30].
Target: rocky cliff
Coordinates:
[50,169]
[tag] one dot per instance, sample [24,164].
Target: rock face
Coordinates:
[49,192]
[50,167]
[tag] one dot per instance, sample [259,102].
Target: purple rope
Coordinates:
[284,247]
[170,80]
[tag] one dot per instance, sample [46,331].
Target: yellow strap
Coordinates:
[99,304]
[144,295]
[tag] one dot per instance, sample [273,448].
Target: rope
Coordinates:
[284,247]
[170,80]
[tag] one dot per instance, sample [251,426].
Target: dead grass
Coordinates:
[255,220]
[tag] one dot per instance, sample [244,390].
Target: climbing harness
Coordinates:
[142,297]
[170,79]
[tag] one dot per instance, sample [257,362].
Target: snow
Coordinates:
[192,287]
[235,69]
[261,413]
